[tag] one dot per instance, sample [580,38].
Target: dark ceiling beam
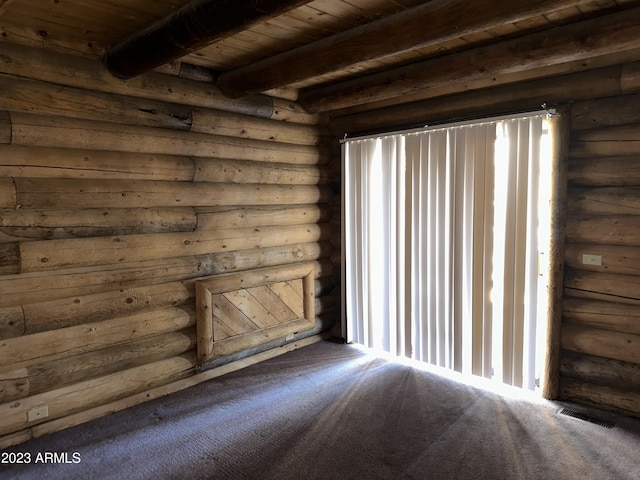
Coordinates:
[192,27]
[4,5]
[583,42]
[428,24]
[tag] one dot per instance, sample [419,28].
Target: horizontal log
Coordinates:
[42,162]
[605,230]
[5,128]
[91,393]
[605,172]
[289,111]
[31,96]
[604,201]
[210,218]
[66,342]
[7,193]
[36,193]
[14,384]
[60,132]
[25,224]
[631,77]
[22,382]
[47,162]
[600,314]
[244,126]
[234,171]
[402,32]
[66,371]
[44,286]
[20,94]
[78,252]
[603,286]
[600,371]
[267,257]
[615,258]
[11,322]
[616,399]
[581,41]
[501,99]
[606,142]
[605,112]
[601,343]
[68,312]
[75,71]
[9,258]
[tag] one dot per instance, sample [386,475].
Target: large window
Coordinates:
[445,229]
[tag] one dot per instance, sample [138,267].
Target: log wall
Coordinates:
[115,196]
[600,337]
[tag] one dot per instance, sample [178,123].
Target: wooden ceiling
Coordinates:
[338,55]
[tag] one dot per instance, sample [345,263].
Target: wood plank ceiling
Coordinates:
[344,56]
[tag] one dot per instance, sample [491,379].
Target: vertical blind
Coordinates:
[441,246]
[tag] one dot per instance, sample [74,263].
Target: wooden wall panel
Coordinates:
[115,197]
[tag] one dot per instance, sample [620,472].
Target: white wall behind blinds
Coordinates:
[438,264]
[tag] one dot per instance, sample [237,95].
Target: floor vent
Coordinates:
[586,418]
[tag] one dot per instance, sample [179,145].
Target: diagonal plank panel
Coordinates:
[242,310]
[229,316]
[290,294]
[282,309]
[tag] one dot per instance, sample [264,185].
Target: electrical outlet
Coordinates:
[591,259]
[38,413]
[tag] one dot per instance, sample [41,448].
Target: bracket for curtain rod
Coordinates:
[551,112]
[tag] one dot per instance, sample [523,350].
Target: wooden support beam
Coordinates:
[581,42]
[557,208]
[194,26]
[402,32]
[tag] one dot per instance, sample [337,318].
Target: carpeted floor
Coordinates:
[331,411]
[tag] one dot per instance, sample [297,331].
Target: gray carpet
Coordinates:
[331,411]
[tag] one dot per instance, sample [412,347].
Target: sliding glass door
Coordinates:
[442,243]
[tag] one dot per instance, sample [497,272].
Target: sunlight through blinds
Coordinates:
[441,246]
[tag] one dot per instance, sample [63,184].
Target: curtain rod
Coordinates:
[549,112]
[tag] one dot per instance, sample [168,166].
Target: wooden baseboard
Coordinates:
[97,412]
